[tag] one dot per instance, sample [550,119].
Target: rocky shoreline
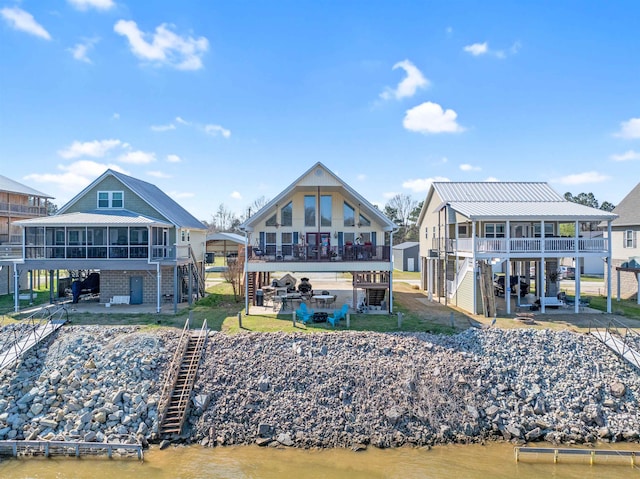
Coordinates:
[346,389]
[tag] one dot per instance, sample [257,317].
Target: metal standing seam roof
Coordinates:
[559,210]
[221,236]
[507,200]
[494,191]
[119,218]
[7,184]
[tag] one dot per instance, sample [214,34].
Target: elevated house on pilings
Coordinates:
[467,229]
[320,224]
[17,202]
[145,246]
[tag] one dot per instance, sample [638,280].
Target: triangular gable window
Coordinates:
[271,221]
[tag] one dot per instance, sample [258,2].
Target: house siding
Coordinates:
[132,202]
[463,297]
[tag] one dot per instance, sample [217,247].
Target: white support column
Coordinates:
[475,267]
[543,269]
[507,286]
[391,273]
[638,293]
[576,278]
[16,288]
[246,274]
[430,278]
[158,288]
[609,259]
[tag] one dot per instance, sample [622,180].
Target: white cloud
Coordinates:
[236,195]
[389,194]
[468,167]
[165,47]
[431,118]
[80,50]
[181,194]
[137,157]
[182,121]
[491,179]
[173,159]
[582,178]
[158,174]
[97,4]
[409,85]
[168,127]
[96,148]
[74,176]
[215,130]
[629,129]
[477,49]
[24,21]
[626,156]
[420,185]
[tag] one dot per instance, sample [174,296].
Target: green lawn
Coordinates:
[627,308]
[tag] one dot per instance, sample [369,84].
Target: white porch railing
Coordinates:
[535,245]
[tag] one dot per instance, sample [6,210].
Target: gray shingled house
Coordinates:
[145,246]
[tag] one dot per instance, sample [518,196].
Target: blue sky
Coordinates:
[224,102]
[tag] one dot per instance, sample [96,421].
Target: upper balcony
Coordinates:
[314,254]
[116,252]
[22,211]
[523,247]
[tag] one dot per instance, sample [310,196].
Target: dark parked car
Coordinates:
[498,286]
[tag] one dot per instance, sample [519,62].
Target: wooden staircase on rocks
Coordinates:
[176,393]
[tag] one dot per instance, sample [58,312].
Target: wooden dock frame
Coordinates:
[69,448]
[576,452]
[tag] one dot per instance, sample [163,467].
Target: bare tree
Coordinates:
[234,274]
[257,204]
[223,220]
[399,209]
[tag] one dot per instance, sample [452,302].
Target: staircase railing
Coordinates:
[174,369]
[452,286]
[16,340]
[197,273]
[628,343]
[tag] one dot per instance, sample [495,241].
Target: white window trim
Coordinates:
[630,239]
[109,200]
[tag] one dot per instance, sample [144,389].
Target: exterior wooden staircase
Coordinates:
[176,393]
[198,274]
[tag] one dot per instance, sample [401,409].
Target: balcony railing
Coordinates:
[306,254]
[525,245]
[22,210]
[132,251]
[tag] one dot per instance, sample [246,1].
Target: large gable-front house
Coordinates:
[146,248]
[469,230]
[321,224]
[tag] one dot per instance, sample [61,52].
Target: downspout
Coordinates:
[609,268]
[246,274]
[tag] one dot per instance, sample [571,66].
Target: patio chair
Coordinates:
[331,301]
[304,314]
[337,315]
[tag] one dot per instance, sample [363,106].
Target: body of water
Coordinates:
[193,462]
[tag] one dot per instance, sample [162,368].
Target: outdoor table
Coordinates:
[322,298]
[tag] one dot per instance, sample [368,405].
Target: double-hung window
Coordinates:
[629,239]
[110,199]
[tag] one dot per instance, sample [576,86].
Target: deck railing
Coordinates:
[312,254]
[24,210]
[525,245]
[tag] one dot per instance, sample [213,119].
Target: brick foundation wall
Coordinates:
[117,283]
[628,281]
